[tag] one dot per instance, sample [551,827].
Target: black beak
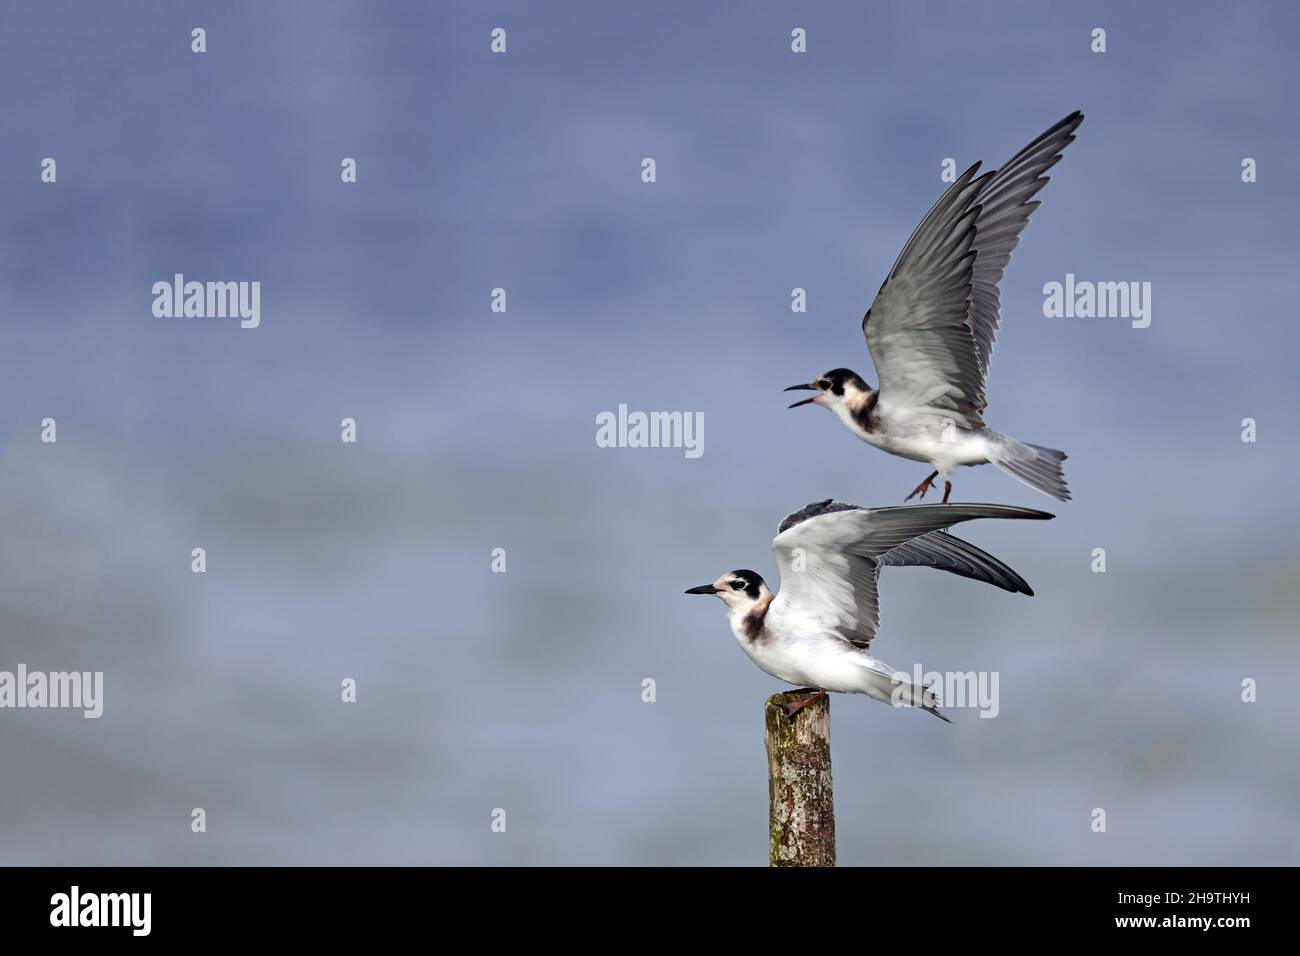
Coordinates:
[703,589]
[801,388]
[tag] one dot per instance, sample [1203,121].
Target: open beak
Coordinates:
[703,589]
[800,388]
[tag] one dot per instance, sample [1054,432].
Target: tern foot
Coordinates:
[947,490]
[794,708]
[922,488]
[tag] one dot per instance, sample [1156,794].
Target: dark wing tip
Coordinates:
[1014,511]
[1002,511]
[1070,122]
[947,552]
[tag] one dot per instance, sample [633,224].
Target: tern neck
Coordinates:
[856,410]
[748,623]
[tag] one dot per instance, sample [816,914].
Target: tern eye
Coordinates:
[823,384]
[737,585]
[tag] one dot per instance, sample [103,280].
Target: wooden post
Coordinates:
[801,811]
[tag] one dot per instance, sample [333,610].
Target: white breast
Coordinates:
[801,652]
[922,436]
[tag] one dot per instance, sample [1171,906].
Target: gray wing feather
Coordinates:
[918,328]
[933,323]
[1005,208]
[948,553]
[890,527]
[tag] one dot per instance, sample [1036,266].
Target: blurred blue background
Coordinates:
[522,690]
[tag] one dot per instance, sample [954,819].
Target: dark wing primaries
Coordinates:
[947,553]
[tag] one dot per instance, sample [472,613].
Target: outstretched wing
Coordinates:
[933,323]
[935,550]
[830,560]
[1004,213]
[917,328]
[828,586]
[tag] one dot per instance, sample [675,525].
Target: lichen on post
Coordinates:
[801,821]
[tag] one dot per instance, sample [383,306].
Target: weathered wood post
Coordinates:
[801,811]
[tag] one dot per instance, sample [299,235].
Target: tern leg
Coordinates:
[947,490]
[922,488]
[792,709]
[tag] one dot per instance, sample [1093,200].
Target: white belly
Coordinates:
[945,446]
[821,663]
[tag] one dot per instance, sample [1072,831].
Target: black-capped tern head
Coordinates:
[739,590]
[839,386]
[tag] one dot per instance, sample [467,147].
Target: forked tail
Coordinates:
[1036,466]
[890,686]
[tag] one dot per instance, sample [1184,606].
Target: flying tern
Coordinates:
[932,325]
[817,630]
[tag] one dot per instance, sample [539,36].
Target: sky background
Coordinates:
[522,690]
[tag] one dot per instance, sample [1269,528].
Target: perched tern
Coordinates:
[931,330]
[818,629]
